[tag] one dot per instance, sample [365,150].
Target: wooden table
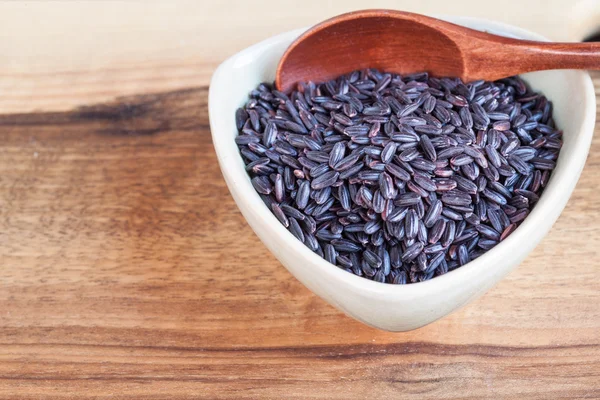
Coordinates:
[128,272]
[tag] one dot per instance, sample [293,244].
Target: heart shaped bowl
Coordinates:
[386,306]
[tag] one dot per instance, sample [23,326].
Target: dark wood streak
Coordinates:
[127,271]
[348,351]
[131,109]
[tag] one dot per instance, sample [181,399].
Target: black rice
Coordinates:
[399,178]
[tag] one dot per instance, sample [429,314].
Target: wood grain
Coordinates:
[86,52]
[127,272]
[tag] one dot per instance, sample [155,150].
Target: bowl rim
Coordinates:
[239,182]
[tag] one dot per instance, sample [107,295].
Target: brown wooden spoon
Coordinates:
[401,42]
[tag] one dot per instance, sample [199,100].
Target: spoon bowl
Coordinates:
[401,42]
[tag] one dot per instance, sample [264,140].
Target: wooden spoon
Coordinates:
[401,42]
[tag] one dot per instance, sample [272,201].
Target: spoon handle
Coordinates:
[505,56]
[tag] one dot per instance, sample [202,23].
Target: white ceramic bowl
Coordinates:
[385,306]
